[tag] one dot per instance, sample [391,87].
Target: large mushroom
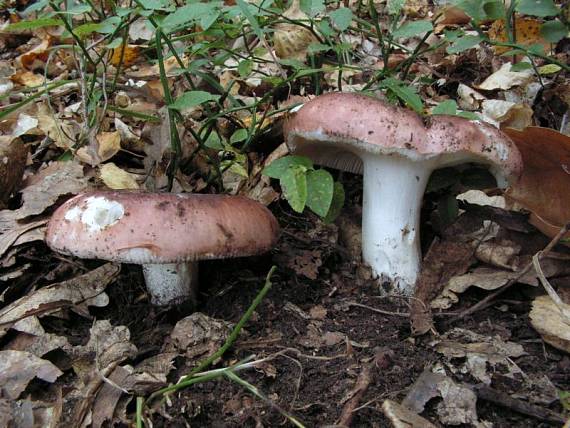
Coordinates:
[166,233]
[397,152]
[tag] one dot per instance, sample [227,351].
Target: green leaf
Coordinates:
[481,10]
[446,107]
[395,6]
[155,4]
[86,29]
[521,66]
[32,25]
[245,67]
[539,8]
[77,9]
[336,204]
[326,29]
[239,135]
[312,7]
[320,188]
[412,29]
[190,14]
[192,99]
[404,92]
[278,167]
[468,115]
[341,18]
[553,31]
[244,7]
[464,43]
[318,47]
[115,43]
[213,141]
[294,185]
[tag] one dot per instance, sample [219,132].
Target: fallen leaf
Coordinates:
[543,186]
[198,335]
[402,417]
[507,114]
[116,178]
[18,368]
[443,261]
[125,55]
[59,295]
[527,31]
[290,40]
[546,318]
[504,78]
[13,156]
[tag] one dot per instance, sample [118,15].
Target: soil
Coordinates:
[319,337]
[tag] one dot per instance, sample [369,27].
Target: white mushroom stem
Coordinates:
[171,283]
[393,191]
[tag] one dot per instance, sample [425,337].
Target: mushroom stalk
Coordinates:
[171,283]
[393,191]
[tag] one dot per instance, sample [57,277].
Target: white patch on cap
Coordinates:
[98,213]
[73,214]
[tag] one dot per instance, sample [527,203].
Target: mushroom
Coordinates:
[397,153]
[166,233]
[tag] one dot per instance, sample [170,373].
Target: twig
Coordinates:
[497,397]
[381,360]
[484,303]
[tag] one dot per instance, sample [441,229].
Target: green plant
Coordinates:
[303,185]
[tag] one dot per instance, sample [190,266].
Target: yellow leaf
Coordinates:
[109,144]
[526,31]
[115,178]
[126,55]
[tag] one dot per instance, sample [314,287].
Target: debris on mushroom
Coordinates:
[166,233]
[396,152]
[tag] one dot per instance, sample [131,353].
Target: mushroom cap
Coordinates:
[337,128]
[145,228]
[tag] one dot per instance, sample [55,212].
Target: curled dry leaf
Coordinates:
[543,186]
[58,295]
[18,368]
[554,328]
[507,114]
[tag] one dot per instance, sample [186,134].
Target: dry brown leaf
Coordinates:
[13,156]
[126,55]
[58,295]
[402,417]
[546,318]
[507,114]
[527,31]
[18,368]
[28,79]
[198,335]
[291,41]
[116,178]
[62,132]
[36,57]
[306,263]
[543,186]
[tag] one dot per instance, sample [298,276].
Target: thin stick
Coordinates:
[380,361]
[484,303]
[497,397]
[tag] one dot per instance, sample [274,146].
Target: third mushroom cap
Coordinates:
[396,152]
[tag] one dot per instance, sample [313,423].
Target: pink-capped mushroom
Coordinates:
[396,152]
[166,233]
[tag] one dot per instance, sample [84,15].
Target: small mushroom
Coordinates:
[397,153]
[166,233]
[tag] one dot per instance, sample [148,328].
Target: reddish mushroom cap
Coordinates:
[349,124]
[145,228]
